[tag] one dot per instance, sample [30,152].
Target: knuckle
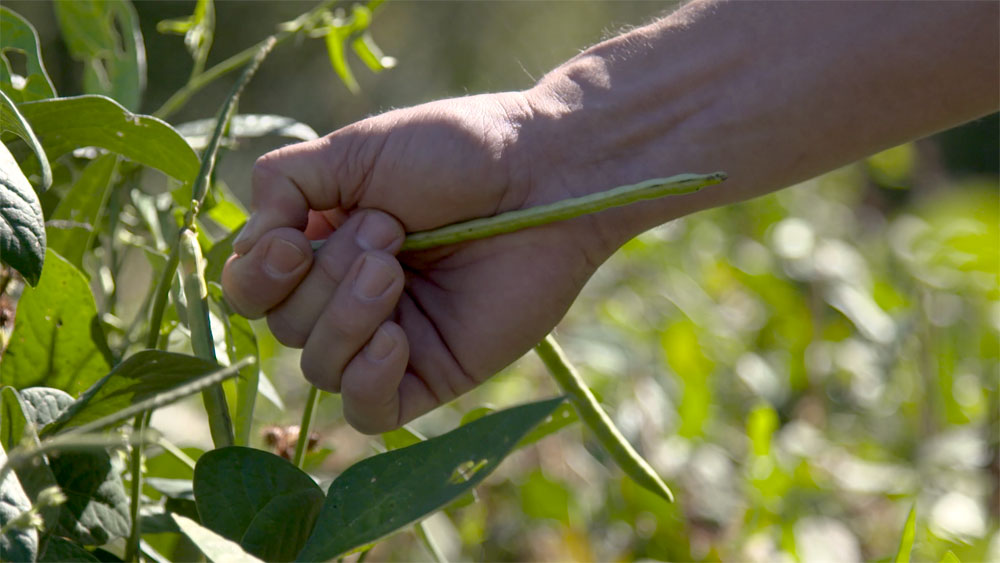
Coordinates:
[317,372]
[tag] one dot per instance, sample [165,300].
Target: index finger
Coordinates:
[315,175]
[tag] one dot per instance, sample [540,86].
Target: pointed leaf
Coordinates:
[22,226]
[248,125]
[233,485]
[906,540]
[12,120]
[13,421]
[385,492]
[215,547]
[81,209]
[142,376]
[56,333]
[105,36]
[65,124]
[19,35]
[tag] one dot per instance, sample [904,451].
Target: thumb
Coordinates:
[322,174]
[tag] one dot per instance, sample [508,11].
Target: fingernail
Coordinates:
[241,244]
[380,346]
[373,279]
[376,232]
[282,258]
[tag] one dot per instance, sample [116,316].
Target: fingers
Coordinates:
[293,320]
[321,174]
[361,303]
[263,278]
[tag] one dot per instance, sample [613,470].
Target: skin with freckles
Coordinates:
[401,333]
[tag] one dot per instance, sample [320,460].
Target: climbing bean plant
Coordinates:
[80,382]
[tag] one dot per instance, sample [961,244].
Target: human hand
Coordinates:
[400,335]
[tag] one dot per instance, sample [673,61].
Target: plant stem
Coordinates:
[559,211]
[597,420]
[307,415]
[132,545]
[199,81]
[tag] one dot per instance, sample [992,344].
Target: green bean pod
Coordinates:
[562,210]
[597,420]
[192,265]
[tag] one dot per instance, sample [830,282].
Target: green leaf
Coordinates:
[686,359]
[65,124]
[97,508]
[248,125]
[59,549]
[22,414]
[281,528]
[114,61]
[142,376]
[22,226]
[19,35]
[21,543]
[44,404]
[198,30]
[563,416]
[950,557]
[242,343]
[401,438]
[241,491]
[906,541]
[215,547]
[55,330]
[385,492]
[12,120]
[13,421]
[81,209]
[335,51]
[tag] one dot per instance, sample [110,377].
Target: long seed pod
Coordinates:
[597,420]
[192,265]
[570,208]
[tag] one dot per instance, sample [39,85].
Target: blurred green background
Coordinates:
[802,369]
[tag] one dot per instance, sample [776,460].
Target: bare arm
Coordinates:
[772,93]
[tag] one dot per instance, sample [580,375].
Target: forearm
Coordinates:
[772,93]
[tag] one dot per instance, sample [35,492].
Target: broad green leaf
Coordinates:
[44,404]
[950,557]
[55,333]
[65,124]
[236,486]
[22,226]
[385,492]
[280,529]
[12,120]
[19,35]
[906,540]
[215,547]
[105,36]
[80,210]
[21,543]
[97,508]
[140,377]
[247,125]
[58,550]
[542,497]
[22,414]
